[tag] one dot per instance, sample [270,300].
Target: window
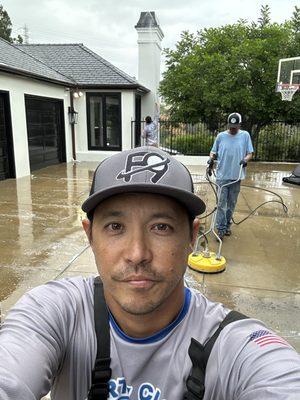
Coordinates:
[104,121]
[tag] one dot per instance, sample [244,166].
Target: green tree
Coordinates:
[230,68]
[6,27]
[296,19]
[295,25]
[264,18]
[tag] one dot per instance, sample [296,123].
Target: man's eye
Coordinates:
[162,227]
[114,226]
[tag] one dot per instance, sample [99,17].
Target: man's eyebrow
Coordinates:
[115,213]
[112,213]
[163,215]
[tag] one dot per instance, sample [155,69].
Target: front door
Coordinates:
[104,121]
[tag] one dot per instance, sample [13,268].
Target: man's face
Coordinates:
[141,243]
[234,129]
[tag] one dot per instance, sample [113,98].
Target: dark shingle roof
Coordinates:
[81,64]
[147,20]
[13,59]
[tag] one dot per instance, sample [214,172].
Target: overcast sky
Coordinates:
[107,26]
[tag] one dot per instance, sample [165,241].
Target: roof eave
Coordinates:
[138,87]
[27,74]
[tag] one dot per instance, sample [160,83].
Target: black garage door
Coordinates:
[45,129]
[6,146]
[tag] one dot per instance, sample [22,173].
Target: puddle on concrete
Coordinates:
[40,223]
[9,279]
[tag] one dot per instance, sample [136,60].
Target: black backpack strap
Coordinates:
[230,317]
[101,373]
[195,381]
[199,356]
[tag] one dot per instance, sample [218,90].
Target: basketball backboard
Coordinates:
[288,77]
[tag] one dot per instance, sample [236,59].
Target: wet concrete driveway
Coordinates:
[41,239]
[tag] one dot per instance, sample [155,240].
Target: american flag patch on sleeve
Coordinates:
[263,338]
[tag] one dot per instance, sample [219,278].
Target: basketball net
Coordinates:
[288,92]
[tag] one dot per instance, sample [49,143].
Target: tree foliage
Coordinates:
[264,18]
[6,27]
[296,20]
[231,68]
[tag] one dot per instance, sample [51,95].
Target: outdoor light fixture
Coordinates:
[73,115]
[77,94]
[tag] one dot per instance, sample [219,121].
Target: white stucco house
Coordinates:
[60,102]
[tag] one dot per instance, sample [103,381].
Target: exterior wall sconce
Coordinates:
[77,94]
[73,116]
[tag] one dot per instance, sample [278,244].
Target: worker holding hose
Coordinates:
[232,148]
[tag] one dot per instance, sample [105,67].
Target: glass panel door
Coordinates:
[104,121]
[96,121]
[113,122]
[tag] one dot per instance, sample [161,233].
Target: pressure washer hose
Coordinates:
[213,184]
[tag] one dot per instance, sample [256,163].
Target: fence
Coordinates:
[278,141]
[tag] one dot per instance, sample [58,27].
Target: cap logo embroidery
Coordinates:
[145,161]
[233,120]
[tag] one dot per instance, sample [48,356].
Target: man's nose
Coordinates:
[137,249]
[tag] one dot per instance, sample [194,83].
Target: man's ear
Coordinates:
[87,226]
[196,225]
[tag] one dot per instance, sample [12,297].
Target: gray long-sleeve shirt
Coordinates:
[150,131]
[48,340]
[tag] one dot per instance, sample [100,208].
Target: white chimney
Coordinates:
[150,36]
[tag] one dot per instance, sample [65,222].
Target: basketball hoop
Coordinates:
[287,91]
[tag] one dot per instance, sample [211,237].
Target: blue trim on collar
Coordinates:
[161,334]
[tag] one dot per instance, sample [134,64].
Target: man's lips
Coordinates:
[140,281]
[138,278]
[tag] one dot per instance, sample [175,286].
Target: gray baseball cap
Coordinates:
[143,170]
[234,120]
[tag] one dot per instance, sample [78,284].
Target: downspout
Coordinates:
[73,127]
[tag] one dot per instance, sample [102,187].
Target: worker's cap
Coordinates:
[143,170]
[234,120]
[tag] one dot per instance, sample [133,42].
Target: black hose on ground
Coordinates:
[212,184]
[280,201]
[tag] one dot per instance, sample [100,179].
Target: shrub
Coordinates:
[187,139]
[278,142]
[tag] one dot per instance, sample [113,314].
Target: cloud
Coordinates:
[107,27]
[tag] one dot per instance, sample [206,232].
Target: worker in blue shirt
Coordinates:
[232,148]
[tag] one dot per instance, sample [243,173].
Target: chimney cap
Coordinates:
[147,20]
